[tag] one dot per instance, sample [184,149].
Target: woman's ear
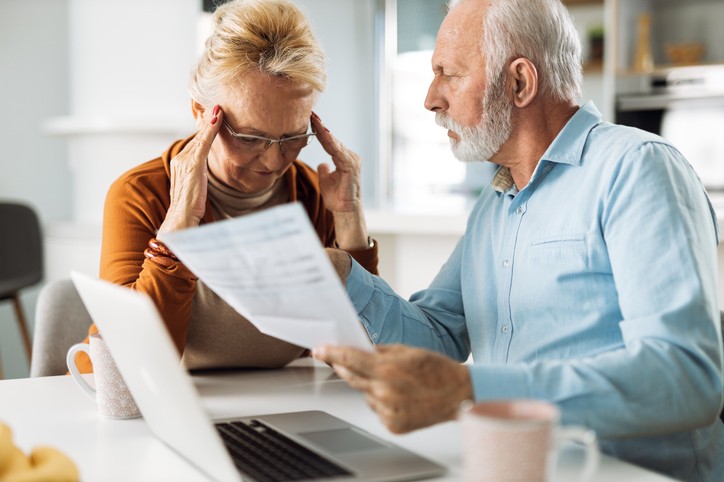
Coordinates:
[524,80]
[197,109]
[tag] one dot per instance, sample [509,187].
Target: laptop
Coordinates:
[314,444]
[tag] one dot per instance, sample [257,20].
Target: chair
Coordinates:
[721,320]
[21,260]
[61,320]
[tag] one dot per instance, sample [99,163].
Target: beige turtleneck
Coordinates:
[218,336]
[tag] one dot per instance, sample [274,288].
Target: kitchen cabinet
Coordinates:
[675,25]
[643,98]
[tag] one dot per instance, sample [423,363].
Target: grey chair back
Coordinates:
[21,249]
[21,260]
[61,320]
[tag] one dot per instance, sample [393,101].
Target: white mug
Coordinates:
[519,441]
[111,393]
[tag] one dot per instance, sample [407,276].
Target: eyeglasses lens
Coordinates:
[259,145]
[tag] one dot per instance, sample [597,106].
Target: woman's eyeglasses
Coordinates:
[258,144]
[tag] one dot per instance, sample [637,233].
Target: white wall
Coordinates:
[33,167]
[34,86]
[348,106]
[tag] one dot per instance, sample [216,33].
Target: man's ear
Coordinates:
[524,81]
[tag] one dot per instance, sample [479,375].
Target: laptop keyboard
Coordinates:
[264,454]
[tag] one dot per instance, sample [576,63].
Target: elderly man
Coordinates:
[587,273]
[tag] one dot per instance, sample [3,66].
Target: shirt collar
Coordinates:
[566,148]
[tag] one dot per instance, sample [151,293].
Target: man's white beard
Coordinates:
[482,142]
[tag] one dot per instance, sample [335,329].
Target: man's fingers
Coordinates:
[361,363]
[387,348]
[396,349]
[355,381]
[395,419]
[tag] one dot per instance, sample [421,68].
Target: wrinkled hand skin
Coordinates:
[408,387]
[189,180]
[341,188]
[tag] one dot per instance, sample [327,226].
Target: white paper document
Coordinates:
[272,269]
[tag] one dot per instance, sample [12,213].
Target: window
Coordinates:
[418,170]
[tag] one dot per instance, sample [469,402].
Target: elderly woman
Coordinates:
[252,96]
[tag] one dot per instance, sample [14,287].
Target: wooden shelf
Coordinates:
[593,67]
[662,68]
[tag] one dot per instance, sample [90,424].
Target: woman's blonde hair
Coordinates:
[270,36]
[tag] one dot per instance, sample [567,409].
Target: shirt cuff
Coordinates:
[360,286]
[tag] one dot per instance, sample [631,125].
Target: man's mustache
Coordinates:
[444,121]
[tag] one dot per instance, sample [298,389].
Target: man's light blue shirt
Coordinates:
[595,287]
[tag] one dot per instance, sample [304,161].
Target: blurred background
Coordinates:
[94,87]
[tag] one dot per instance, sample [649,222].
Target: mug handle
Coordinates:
[587,438]
[73,368]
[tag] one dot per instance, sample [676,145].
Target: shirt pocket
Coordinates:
[562,249]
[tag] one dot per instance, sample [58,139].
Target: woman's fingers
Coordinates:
[188,176]
[342,157]
[341,187]
[205,137]
[198,149]
[326,139]
[324,170]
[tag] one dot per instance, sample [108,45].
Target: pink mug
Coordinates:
[518,440]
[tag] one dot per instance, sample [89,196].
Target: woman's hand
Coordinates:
[189,178]
[341,189]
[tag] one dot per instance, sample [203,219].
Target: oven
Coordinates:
[685,105]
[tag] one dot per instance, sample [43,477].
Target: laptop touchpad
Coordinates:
[341,440]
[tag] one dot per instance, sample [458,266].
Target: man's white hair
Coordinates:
[541,31]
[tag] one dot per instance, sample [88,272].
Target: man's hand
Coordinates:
[409,388]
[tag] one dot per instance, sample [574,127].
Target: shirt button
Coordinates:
[519,210]
[506,263]
[504,329]
[374,336]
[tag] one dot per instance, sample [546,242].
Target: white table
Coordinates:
[54,411]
